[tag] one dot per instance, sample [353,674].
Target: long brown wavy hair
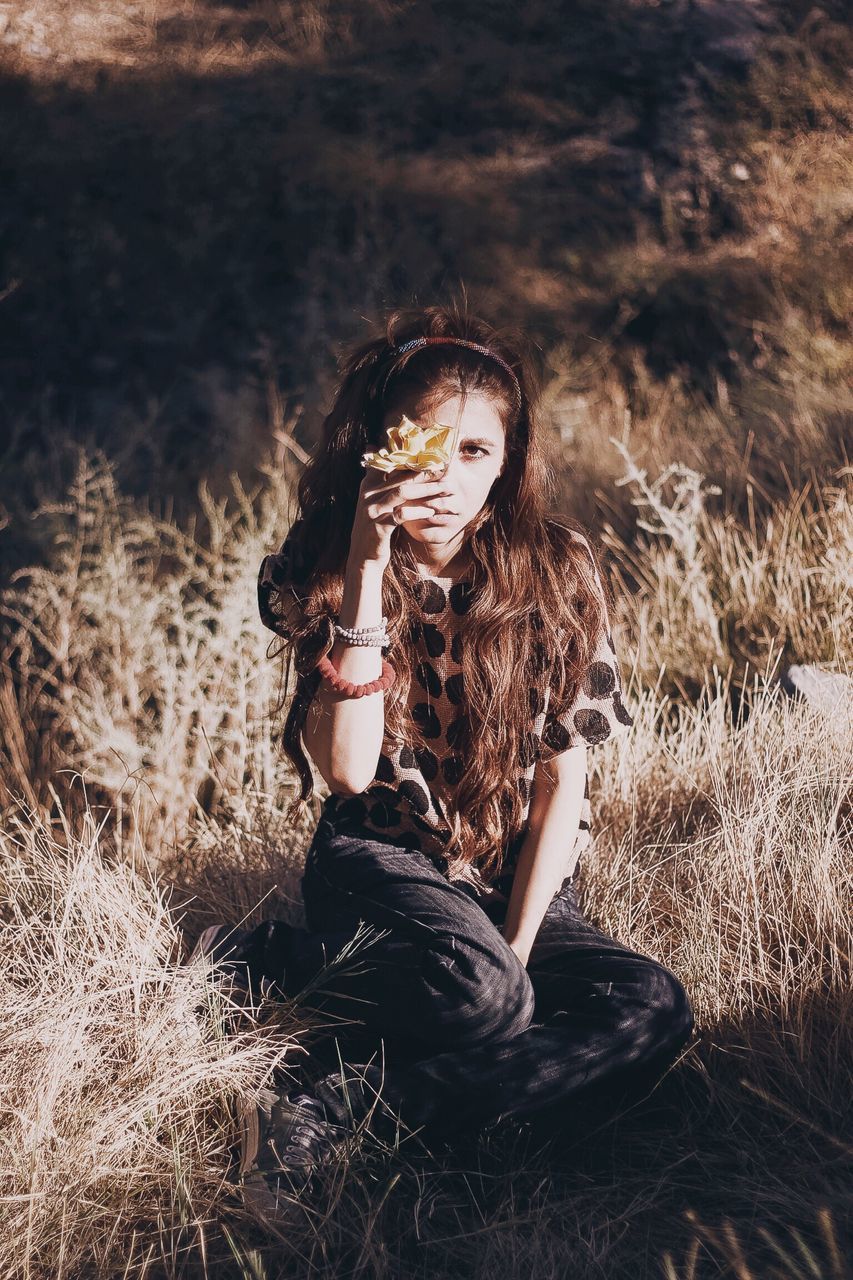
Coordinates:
[535,606]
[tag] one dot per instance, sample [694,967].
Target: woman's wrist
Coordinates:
[358,567]
[361,602]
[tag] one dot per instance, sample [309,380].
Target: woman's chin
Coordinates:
[433,533]
[429,525]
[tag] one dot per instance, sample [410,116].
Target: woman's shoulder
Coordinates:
[289,560]
[279,574]
[566,535]
[575,550]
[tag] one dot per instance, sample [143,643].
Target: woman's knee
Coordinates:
[487,992]
[665,1015]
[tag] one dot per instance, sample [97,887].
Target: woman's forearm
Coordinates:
[344,735]
[545,858]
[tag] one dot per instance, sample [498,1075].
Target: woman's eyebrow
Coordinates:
[466,439]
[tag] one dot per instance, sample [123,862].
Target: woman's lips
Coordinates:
[440,512]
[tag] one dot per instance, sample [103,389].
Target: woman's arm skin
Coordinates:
[344,735]
[544,859]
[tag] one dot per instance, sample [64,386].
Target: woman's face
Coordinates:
[474,466]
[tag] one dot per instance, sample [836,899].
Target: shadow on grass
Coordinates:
[695,1164]
[185,233]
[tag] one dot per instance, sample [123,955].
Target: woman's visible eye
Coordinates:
[473,446]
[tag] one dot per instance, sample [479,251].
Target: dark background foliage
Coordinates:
[202,202]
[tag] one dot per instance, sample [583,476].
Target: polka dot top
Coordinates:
[408,800]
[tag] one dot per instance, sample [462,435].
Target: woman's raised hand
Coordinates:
[386,500]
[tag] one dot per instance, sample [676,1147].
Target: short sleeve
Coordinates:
[279,578]
[596,711]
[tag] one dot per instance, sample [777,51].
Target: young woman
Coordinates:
[457,765]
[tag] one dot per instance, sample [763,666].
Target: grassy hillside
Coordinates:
[202,202]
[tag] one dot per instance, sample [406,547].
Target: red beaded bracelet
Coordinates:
[334,678]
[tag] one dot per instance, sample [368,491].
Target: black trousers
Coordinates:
[464,1034]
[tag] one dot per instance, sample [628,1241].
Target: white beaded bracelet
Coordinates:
[359,631]
[381,641]
[377,636]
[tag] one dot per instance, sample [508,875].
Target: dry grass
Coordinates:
[724,850]
[707,591]
[139,658]
[680,245]
[117,1079]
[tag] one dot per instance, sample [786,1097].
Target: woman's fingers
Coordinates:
[398,482]
[408,497]
[411,511]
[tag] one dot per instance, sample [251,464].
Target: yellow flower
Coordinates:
[412,447]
